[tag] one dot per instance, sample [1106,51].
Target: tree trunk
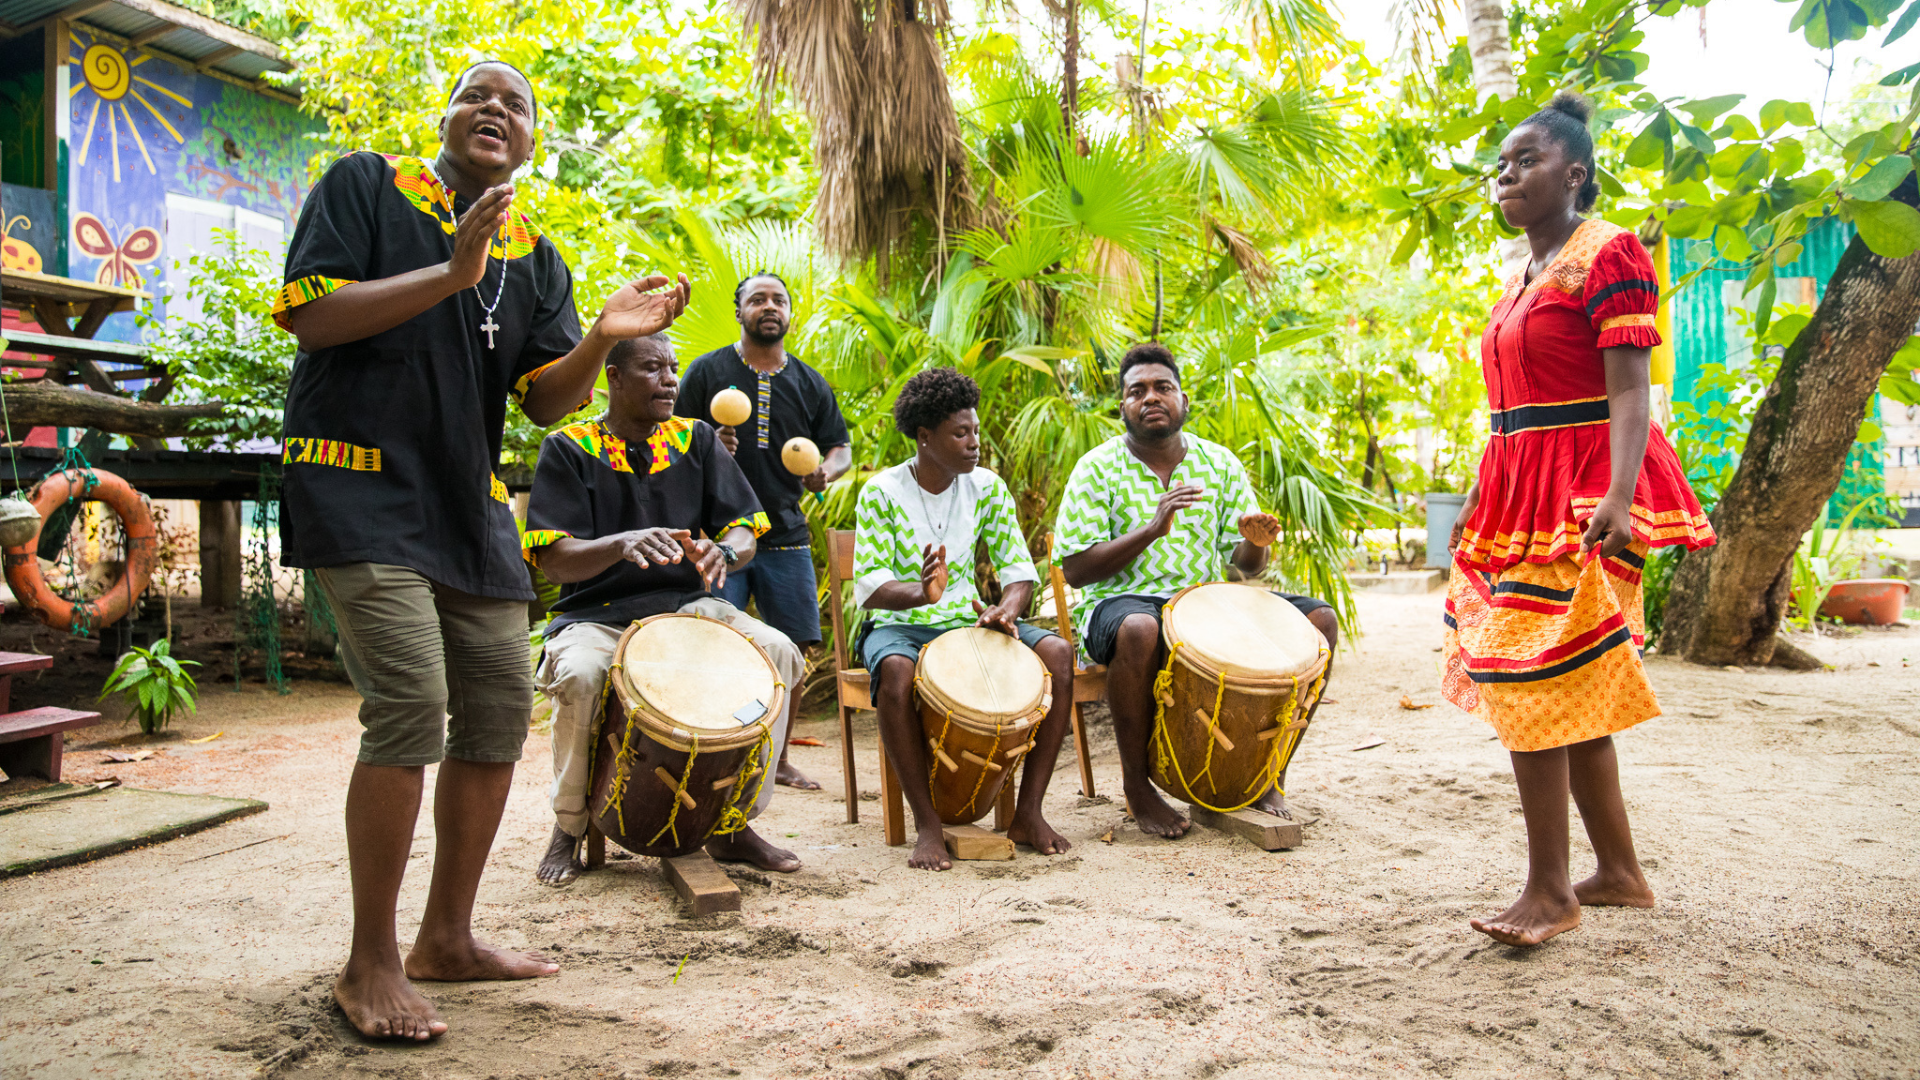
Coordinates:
[1491,48]
[43,403]
[1070,73]
[221,566]
[1727,600]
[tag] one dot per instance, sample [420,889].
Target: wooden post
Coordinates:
[220,540]
[596,847]
[972,843]
[701,883]
[1262,830]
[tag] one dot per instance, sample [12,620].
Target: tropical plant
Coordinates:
[1826,555]
[232,353]
[154,684]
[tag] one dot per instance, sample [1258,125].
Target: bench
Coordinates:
[31,740]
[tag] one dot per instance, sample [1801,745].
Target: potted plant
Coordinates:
[154,684]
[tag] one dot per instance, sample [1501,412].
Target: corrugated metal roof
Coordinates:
[192,40]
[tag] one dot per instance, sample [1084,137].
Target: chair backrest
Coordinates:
[839,572]
[1062,614]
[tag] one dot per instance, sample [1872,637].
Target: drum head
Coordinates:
[698,673]
[983,673]
[1244,631]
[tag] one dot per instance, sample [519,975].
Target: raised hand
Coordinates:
[649,547]
[1172,501]
[474,234]
[728,438]
[638,309]
[1260,530]
[933,573]
[706,558]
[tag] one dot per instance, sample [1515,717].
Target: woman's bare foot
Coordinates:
[559,866]
[1274,802]
[474,960]
[748,846]
[1033,831]
[1154,816]
[1531,920]
[930,850]
[1614,890]
[384,1005]
[786,775]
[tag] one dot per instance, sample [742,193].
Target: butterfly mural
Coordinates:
[124,257]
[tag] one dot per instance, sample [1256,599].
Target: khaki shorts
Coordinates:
[442,673]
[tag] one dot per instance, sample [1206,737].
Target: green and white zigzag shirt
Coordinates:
[1112,493]
[895,518]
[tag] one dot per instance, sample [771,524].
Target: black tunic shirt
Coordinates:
[591,484]
[391,441]
[800,403]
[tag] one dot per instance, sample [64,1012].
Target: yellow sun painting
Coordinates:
[111,78]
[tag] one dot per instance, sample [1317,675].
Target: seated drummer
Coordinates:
[911,519]
[1144,515]
[616,508]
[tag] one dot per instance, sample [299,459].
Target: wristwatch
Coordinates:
[727,553]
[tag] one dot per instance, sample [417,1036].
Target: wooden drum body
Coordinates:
[683,745]
[982,695]
[1244,670]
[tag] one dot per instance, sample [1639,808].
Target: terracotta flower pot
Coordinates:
[1866,601]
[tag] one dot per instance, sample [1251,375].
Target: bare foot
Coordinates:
[786,775]
[384,1005]
[1154,816]
[1274,802]
[930,850]
[474,960]
[559,866]
[748,846]
[1036,834]
[1614,891]
[1531,920]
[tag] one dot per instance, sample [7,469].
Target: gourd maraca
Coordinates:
[730,407]
[800,456]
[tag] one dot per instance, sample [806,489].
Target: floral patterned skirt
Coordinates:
[1549,653]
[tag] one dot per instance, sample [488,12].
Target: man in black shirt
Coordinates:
[615,508]
[423,300]
[789,399]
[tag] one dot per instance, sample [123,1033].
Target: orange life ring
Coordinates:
[23,562]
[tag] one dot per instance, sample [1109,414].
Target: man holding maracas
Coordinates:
[762,399]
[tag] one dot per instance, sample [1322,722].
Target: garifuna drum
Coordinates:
[684,744]
[1244,670]
[982,695]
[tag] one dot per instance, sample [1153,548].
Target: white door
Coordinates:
[190,231]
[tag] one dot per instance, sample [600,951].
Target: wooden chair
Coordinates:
[1089,680]
[854,691]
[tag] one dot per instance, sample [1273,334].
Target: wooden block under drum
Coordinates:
[1262,830]
[971,843]
[702,884]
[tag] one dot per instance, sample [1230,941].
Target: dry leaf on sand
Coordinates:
[1408,704]
[210,738]
[802,740]
[1107,837]
[124,758]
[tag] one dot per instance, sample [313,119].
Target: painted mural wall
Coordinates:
[142,128]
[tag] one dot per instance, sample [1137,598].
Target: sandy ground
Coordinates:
[1778,817]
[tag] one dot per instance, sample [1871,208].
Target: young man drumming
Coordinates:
[911,520]
[789,399]
[423,300]
[615,510]
[1144,515]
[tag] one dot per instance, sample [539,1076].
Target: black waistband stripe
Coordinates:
[1527,417]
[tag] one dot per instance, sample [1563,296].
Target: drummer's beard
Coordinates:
[1154,432]
[757,331]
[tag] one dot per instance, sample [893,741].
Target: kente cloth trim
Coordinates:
[534,539]
[671,438]
[519,391]
[421,187]
[756,521]
[1556,415]
[302,291]
[301,450]
[496,489]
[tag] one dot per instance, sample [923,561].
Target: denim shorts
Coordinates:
[785,594]
[906,639]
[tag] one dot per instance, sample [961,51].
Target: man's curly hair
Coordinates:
[932,396]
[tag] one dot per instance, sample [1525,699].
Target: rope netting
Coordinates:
[256,627]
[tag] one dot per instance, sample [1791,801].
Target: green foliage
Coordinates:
[1656,584]
[154,684]
[233,352]
[1826,555]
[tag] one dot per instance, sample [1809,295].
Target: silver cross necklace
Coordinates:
[489,326]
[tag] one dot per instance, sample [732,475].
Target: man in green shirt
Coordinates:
[909,521]
[1145,515]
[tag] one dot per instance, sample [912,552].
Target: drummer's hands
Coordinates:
[728,438]
[706,558]
[933,573]
[1172,501]
[649,547]
[1260,530]
[998,617]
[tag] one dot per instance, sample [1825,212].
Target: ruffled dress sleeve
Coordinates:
[1622,294]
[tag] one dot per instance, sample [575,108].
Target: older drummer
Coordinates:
[1144,515]
[911,519]
[616,508]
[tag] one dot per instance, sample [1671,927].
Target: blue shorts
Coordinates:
[784,591]
[906,639]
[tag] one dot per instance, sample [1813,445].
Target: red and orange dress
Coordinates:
[1543,646]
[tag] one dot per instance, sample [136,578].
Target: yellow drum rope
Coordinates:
[1277,756]
[940,746]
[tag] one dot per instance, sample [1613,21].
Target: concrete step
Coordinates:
[1404,582]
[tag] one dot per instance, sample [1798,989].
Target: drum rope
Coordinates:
[1276,762]
[733,819]
[686,774]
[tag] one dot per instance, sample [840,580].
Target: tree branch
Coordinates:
[44,403]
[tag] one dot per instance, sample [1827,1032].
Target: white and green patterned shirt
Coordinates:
[896,518]
[1112,493]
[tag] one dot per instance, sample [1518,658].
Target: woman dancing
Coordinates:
[1544,624]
